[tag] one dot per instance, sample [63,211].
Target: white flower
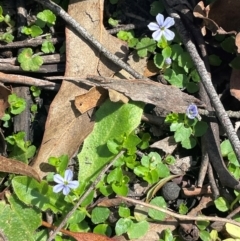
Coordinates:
[160,28]
[64,184]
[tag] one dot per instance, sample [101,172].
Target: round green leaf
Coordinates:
[138,230]
[122,226]
[99,214]
[157,215]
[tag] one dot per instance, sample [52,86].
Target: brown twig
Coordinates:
[212,182]
[180,216]
[25,80]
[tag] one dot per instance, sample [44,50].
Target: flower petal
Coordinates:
[73,184]
[153,26]
[168,22]
[157,35]
[58,188]
[168,34]
[160,19]
[58,179]
[68,175]
[66,190]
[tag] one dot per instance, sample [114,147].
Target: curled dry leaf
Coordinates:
[94,97]
[17,167]
[235,84]
[168,144]
[116,96]
[220,17]
[4,93]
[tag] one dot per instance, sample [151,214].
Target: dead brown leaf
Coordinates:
[168,145]
[80,236]
[216,16]
[4,93]
[94,97]
[235,84]
[115,96]
[12,166]
[65,128]
[165,96]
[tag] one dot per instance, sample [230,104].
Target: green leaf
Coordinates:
[47,47]
[214,60]
[182,133]
[145,45]
[77,217]
[226,148]
[112,22]
[122,226]
[185,61]
[195,76]
[158,60]
[34,31]
[179,80]
[189,143]
[176,51]
[222,204]
[113,120]
[138,230]
[233,230]
[166,52]
[235,63]
[36,91]
[192,87]
[113,1]
[115,175]
[155,214]
[46,17]
[125,35]
[205,236]
[99,214]
[124,212]
[103,229]
[183,209]
[7,37]
[17,221]
[202,225]
[17,104]
[28,62]
[40,195]
[156,7]
[200,128]
[228,44]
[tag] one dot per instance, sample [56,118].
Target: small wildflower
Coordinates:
[192,111]
[160,28]
[64,184]
[168,61]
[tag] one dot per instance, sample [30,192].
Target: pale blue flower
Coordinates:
[160,28]
[192,111]
[64,184]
